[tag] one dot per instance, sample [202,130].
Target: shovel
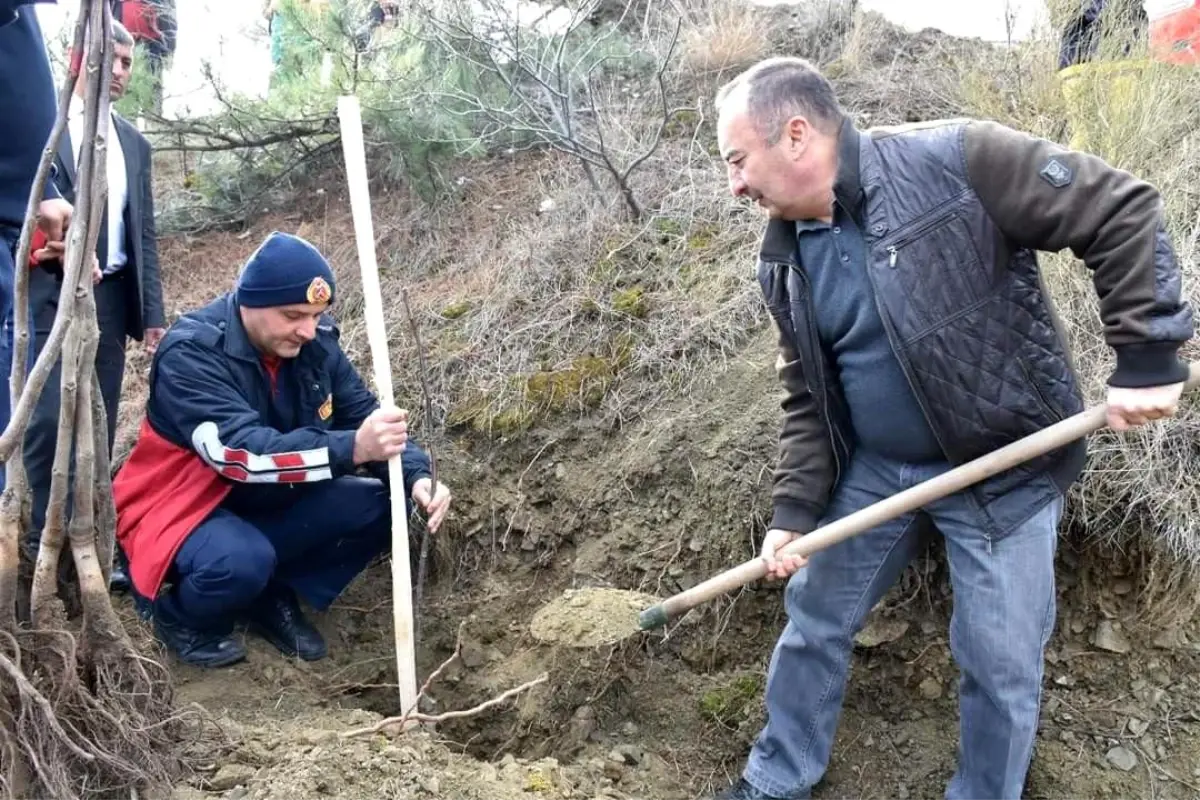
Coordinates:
[1036,444]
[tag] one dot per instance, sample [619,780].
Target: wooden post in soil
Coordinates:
[350,116]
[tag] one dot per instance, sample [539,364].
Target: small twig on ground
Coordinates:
[411,716]
[435,718]
[433,677]
[437,672]
[1152,765]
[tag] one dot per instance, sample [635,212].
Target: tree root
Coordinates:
[41,741]
[96,717]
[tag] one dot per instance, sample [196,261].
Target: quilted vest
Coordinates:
[966,314]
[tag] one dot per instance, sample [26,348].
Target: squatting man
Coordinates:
[899,268]
[259,476]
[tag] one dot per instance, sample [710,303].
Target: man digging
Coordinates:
[243,490]
[914,335]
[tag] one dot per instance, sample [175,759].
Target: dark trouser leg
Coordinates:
[113,319]
[41,438]
[8,243]
[322,540]
[248,558]
[154,64]
[219,572]
[112,316]
[329,535]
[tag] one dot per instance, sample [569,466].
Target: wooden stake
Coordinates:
[350,117]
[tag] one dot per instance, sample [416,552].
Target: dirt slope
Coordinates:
[656,506]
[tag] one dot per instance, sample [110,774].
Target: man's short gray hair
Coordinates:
[121,34]
[783,87]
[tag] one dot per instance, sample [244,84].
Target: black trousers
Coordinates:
[112,299]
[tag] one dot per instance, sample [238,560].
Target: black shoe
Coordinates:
[276,616]
[744,791]
[200,648]
[119,580]
[143,607]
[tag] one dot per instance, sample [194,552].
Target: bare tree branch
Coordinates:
[546,96]
[215,141]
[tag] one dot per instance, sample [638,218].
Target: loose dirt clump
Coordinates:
[591,616]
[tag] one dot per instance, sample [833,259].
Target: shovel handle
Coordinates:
[1036,444]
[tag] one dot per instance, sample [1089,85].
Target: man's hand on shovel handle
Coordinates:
[1128,408]
[780,567]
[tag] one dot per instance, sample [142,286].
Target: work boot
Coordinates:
[276,616]
[209,648]
[744,791]
[119,580]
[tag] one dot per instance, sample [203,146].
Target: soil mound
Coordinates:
[590,617]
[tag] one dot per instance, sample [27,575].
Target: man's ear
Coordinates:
[799,133]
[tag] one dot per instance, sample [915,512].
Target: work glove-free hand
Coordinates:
[381,435]
[436,506]
[780,566]
[1128,407]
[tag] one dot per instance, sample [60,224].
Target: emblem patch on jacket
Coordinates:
[326,409]
[1056,173]
[318,291]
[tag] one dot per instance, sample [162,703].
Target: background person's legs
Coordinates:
[8,243]
[41,438]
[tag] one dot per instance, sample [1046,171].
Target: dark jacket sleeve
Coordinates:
[194,396]
[8,9]
[804,473]
[352,403]
[1045,197]
[153,313]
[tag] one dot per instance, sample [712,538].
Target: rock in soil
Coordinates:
[231,775]
[881,630]
[1122,758]
[1108,637]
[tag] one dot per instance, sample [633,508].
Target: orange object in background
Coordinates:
[1174,30]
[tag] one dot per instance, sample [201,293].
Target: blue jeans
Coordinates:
[1004,612]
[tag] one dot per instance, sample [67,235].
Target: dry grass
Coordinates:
[722,36]
[550,312]
[885,75]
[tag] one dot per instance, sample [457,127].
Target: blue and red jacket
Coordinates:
[220,415]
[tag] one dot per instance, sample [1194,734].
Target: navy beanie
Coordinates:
[285,270]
